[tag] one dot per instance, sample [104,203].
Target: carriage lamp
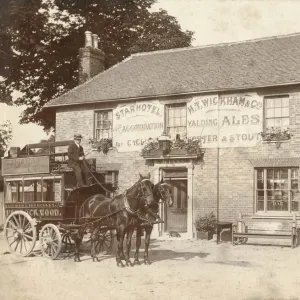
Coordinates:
[165,143]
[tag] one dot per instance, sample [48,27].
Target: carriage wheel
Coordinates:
[105,241]
[67,241]
[50,240]
[20,233]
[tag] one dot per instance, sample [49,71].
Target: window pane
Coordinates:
[33,190]
[13,192]
[270,123]
[103,126]
[57,190]
[285,102]
[277,112]
[285,111]
[270,113]
[176,120]
[270,103]
[285,122]
[48,190]
[277,102]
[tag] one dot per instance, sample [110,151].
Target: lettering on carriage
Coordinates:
[38,212]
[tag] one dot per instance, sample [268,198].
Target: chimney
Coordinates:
[91,58]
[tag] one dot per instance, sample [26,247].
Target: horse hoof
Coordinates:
[120,264]
[96,259]
[129,264]
[147,262]
[137,262]
[77,259]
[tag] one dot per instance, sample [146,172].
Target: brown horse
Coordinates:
[120,213]
[161,191]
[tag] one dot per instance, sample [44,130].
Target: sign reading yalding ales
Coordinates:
[135,123]
[25,165]
[225,121]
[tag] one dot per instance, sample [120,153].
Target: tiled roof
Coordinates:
[249,64]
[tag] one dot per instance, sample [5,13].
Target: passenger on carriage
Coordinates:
[77,162]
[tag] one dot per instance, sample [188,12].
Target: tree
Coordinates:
[5,136]
[41,39]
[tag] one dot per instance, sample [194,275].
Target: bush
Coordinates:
[206,223]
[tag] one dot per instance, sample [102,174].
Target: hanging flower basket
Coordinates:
[277,135]
[103,145]
[186,146]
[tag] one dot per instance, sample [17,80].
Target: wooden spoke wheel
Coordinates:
[67,242]
[51,241]
[20,233]
[104,242]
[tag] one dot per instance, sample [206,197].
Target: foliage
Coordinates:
[276,134]
[47,150]
[206,223]
[192,146]
[40,39]
[5,136]
[103,145]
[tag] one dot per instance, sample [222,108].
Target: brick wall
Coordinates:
[236,173]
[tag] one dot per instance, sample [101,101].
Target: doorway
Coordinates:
[175,217]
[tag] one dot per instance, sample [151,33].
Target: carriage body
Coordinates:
[40,193]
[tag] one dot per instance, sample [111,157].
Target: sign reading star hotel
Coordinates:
[134,123]
[225,121]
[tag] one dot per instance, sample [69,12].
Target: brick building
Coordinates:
[226,94]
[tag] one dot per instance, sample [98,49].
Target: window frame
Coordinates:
[36,178]
[166,121]
[274,96]
[289,189]
[95,121]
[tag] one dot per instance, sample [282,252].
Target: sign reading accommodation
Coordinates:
[226,120]
[134,123]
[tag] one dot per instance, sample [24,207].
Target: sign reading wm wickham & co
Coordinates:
[135,123]
[226,120]
[25,165]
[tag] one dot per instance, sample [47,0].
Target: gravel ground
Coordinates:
[189,269]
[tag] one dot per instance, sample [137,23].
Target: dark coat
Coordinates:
[74,152]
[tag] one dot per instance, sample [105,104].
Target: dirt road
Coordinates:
[180,270]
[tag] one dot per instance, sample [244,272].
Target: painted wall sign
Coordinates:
[135,123]
[26,165]
[225,121]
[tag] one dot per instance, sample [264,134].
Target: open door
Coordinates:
[176,215]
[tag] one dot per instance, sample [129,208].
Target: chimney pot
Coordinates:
[95,41]
[88,39]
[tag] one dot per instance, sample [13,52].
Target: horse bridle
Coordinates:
[143,186]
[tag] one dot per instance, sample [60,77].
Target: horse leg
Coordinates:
[138,245]
[128,246]
[148,230]
[120,239]
[94,239]
[78,237]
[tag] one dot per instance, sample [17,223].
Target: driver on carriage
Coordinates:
[76,161]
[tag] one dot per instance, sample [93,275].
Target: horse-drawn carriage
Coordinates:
[42,203]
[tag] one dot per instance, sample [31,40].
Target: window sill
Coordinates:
[275,215]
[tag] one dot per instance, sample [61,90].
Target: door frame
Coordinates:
[159,229]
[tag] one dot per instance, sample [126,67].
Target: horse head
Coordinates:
[146,188]
[163,191]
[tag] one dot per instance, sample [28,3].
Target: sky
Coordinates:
[213,22]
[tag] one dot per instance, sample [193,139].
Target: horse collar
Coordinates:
[127,206]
